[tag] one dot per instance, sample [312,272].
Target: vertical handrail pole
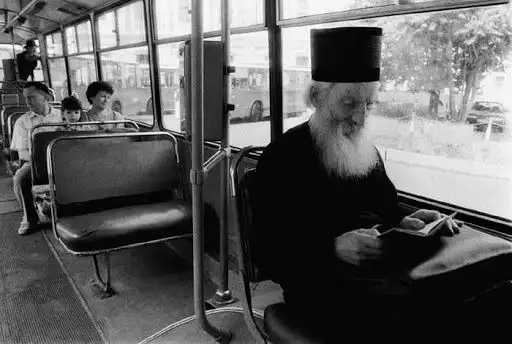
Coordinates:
[223,295]
[197,172]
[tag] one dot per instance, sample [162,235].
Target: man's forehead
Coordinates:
[362,89]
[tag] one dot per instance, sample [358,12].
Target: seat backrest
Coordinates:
[6,112]
[9,99]
[103,171]
[11,121]
[38,146]
[241,184]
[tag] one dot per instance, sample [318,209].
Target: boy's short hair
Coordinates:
[95,87]
[71,103]
[38,86]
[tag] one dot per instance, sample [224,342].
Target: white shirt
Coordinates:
[22,127]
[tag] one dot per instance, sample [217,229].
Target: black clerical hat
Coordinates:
[346,54]
[30,43]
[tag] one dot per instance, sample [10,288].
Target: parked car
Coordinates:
[483,111]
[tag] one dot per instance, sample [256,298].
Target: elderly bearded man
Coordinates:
[322,193]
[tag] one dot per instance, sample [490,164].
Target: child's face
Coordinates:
[71,115]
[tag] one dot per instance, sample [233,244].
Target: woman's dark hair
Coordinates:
[95,87]
[71,103]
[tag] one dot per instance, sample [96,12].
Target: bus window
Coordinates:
[128,72]
[299,8]
[83,72]
[170,73]
[250,89]
[57,69]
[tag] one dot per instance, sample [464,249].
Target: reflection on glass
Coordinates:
[170,72]
[300,8]
[250,89]
[131,23]
[128,72]
[57,69]
[54,44]
[438,125]
[173,17]
[82,72]
[107,30]
[71,40]
[84,37]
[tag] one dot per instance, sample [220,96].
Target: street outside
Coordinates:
[483,187]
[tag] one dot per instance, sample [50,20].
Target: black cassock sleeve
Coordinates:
[291,240]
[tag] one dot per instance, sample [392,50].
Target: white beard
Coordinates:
[342,156]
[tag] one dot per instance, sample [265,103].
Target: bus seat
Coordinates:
[116,191]
[40,138]
[11,120]
[10,99]
[42,134]
[279,325]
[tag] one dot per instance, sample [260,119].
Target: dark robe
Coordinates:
[299,210]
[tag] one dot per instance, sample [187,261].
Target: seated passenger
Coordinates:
[98,94]
[71,109]
[117,106]
[37,96]
[322,196]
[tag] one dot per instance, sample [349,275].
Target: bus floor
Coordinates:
[46,295]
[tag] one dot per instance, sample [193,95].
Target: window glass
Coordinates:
[173,17]
[6,52]
[107,30]
[300,8]
[71,40]
[128,72]
[54,44]
[131,24]
[170,73]
[84,37]
[248,12]
[83,72]
[58,78]
[249,123]
[440,126]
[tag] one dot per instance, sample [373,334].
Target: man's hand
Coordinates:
[419,218]
[359,246]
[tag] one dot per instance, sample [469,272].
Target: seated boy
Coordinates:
[71,110]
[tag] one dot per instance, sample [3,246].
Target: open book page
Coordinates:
[429,229]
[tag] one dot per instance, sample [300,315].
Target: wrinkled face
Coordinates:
[101,100]
[71,116]
[36,100]
[348,104]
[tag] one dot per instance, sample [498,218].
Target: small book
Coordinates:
[429,230]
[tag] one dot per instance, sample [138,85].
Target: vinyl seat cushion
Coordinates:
[128,225]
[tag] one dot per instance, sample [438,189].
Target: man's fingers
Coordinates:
[412,223]
[428,215]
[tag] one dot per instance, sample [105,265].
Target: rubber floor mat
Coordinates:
[38,304]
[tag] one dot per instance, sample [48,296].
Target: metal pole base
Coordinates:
[222,298]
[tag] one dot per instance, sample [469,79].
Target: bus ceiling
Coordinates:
[25,19]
